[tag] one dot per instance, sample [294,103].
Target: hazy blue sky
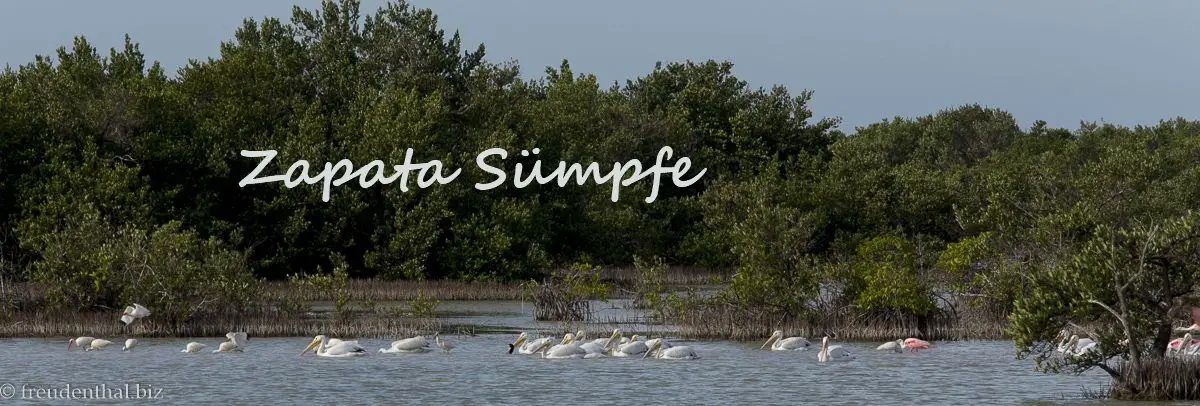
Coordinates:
[1126,62]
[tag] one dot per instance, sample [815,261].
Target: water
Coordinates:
[480,371]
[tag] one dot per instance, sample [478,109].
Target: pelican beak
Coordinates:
[520,340]
[651,349]
[310,346]
[70,344]
[769,340]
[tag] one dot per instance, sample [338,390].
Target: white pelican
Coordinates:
[446,346]
[651,343]
[129,344]
[634,347]
[833,353]
[237,342]
[133,313]
[785,344]
[601,346]
[593,348]
[337,341]
[565,349]
[408,345]
[81,342]
[97,344]
[682,352]
[531,347]
[194,347]
[1064,338]
[340,350]
[897,346]
[1080,346]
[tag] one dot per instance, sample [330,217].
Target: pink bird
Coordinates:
[1182,343]
[915,343]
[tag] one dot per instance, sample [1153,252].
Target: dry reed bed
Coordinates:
[715,322]
[1170,378]
[404,290]
[379,290]
[675,276]
[264,324]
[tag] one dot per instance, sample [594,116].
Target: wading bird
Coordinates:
[658,349]
[129,344]
[81,342]
[785,344]
[1181,344]
[236,343]
[132,313]
[342,349]
[416,344]
[446,346]
[833,353]
[915,344]
[194,347]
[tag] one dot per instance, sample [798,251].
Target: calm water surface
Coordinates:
[479,371]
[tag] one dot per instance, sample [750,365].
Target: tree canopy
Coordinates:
[110,163]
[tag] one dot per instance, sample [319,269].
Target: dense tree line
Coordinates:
[114,168]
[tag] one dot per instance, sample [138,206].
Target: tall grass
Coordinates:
[710,321]
[675,276]
[382,291]
[1168,378]
[259,324]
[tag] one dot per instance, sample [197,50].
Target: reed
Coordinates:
[674,276]
[382,291]
[716,321]
[1168,378]
[263,323]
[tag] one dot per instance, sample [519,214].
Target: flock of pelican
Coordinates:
[131,314]
[1186,345]
[1072,345]
[236,343]
[836,352]
[571,345]
[616,345]
[337,348]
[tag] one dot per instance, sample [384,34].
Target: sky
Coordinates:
[1061,61]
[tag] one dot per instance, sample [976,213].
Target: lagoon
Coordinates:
[480,371]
